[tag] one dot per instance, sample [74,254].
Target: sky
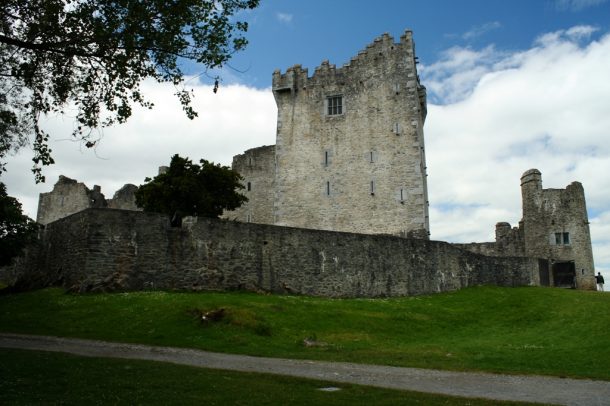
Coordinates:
[512,85]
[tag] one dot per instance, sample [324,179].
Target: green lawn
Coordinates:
[511,330]
[47,378]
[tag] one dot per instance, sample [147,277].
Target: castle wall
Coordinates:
[124,198]
[105,249]
[363,168]
[556,226]
[509,243]
[257,167]
[67,197]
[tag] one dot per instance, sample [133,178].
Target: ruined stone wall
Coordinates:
[69,196]
[509,243]
[362,170]
[104,249]
[257,167]
[551,214]
[124,198]
[483,248]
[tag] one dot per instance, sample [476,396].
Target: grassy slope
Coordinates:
[47,378]
[514,330]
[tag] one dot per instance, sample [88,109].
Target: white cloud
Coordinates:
[543,108]
[284,17]
[480,30]
[454,76]
[233,120]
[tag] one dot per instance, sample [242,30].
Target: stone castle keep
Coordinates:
[346,184]
[349,154]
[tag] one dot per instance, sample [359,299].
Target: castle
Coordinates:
[349,153]
[349,157]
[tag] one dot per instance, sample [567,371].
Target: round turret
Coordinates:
[532,175]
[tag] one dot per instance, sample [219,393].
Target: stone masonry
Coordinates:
[109,250]
[349,153]
[554,228]
[349,159]
[257,167]
[69,196]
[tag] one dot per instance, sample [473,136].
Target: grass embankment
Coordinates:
[511,330]
[49,378]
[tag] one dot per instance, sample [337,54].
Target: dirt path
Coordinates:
[481,385]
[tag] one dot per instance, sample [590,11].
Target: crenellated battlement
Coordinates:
[381,51]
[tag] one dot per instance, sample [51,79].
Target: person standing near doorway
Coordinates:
[600,281]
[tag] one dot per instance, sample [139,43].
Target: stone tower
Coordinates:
[556,228]
[350,151]
[257,167]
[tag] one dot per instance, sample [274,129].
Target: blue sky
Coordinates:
[283,33]
[512,85]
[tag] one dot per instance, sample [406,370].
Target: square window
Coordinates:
[334,105]
[562,238]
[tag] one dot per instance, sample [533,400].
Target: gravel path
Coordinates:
[481,385]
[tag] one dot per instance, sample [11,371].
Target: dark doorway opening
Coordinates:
[564,274]
[543,271]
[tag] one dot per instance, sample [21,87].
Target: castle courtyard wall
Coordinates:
[108,250]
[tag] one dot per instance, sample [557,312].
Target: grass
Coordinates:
[508,330]
[50,378]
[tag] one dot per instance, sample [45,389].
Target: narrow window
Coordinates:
[249,218]
[325,158]
[250,161]
[249,186]
[327,188]
[334,105]
[557,238]
[566,238]
[371,156]
[396,128]
[372,188]
[402,198]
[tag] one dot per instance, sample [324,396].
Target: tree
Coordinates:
[188,189]
[92,55]
[16,229]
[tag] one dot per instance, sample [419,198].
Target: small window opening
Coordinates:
[249,161]
[335,105]
[249,186]
[402,197]
[249,218]
[325,158]
[327,188]
[562,238]
[371,156]
[372,188]
[396,128]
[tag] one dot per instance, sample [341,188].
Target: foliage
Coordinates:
[16,229]
[508,330]
[92,55]
[188,189]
